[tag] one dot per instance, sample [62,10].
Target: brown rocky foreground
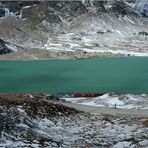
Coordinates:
[36,105]
[29,120]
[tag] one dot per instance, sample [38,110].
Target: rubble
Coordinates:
[33,121]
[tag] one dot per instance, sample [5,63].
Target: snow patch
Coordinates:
[126,101]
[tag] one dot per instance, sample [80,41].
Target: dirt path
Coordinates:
[110,111]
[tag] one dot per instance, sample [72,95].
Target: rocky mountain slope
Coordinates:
[39,120]
[116,27]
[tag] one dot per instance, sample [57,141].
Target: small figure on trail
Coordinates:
[115,105]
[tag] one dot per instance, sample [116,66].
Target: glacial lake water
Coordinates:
[97,75]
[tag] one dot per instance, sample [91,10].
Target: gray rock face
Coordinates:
[120,7]
[32,22]
[66,9]
[3,48]
[54,10]
[6,47]
[59,12]
[16,6]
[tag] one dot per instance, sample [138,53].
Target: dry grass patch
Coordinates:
[37,105]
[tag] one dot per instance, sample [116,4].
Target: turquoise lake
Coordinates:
[97,75]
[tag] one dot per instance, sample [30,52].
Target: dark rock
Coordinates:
[53,18]
[2,12]
[3,48]
[120,7]
[100,6]
[7,123]
[103,32]
[7,47]
[17,5]
[100,32]
[143,33]
[68,8]
[54,11]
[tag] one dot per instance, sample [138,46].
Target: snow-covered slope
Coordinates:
[116,27]
[127,101]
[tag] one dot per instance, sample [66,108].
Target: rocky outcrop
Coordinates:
[32,22]
[143,33]
[59,12]
[6,47]
[120,7]
[3,48]
[54,11]
[20,122]
[16,6]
